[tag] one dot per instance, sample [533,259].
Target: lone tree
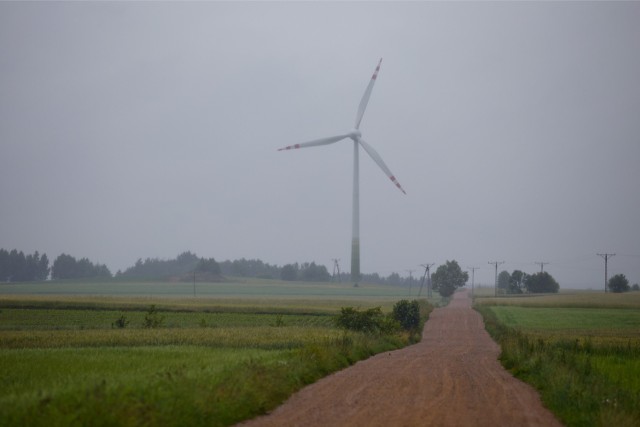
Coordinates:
[449,277]
[619,283]
[541,283]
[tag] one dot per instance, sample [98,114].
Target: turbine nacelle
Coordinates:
[355,134]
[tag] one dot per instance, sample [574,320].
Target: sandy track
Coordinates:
[451,378]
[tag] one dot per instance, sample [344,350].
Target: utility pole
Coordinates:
[542,264]
[473,270]
[194,283]
[410,280]
[496,263]
[606,261]
[426,273]
[336,267]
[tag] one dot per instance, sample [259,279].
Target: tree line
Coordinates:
[519,282]
[68,267]
[155,268]
[185,267]
[15,266]
[393,279]
[187,263]
[309,272]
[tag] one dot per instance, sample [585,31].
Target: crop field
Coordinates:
[76,358]
[581,350]
[231,288]
[576,299]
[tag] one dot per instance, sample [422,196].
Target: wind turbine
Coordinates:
[356,136]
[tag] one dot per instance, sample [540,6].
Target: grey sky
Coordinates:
[133,130]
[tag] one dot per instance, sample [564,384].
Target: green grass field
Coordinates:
[570,322]
[214,359]
[581,350]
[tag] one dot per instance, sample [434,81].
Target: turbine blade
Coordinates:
[367,93]
[376,158]
[315,142]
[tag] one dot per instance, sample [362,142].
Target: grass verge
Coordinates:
[585,376]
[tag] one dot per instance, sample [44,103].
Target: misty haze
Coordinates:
[201,212]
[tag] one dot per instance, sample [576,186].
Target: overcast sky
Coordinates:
[135,130]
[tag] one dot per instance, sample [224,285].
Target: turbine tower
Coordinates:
[356,136]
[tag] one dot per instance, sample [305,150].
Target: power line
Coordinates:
[496,263]
[542,264]
[606,262]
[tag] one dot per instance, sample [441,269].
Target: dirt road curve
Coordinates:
[451,378]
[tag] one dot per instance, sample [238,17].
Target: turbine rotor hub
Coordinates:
[355,134]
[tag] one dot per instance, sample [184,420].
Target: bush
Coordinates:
[120,323]
[153,319]
[619,283]
[369,321]
[407,314]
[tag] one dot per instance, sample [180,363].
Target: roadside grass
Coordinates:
[64,363]
[584,361]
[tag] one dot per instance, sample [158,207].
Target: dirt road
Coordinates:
[451,378]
